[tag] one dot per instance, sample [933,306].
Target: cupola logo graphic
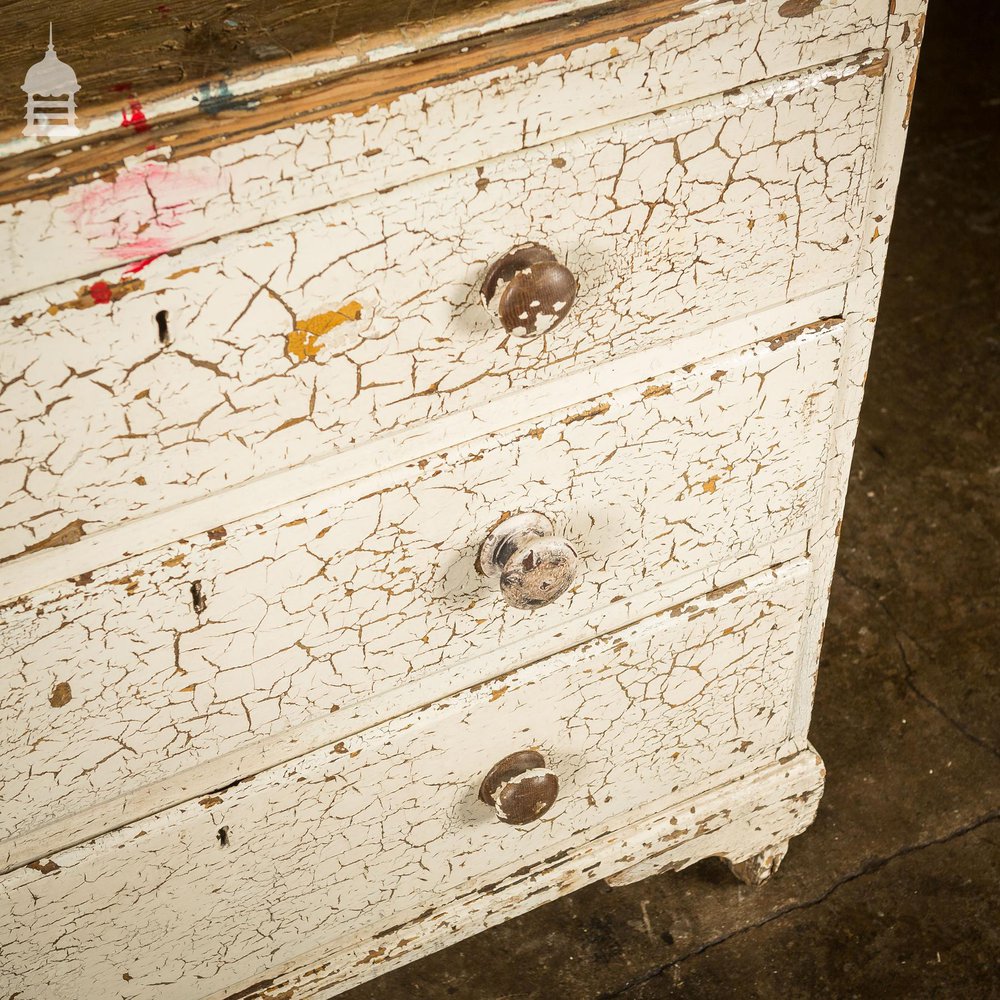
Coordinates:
[51,88]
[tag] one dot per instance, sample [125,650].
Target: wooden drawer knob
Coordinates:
[533,291]
[535,566]
[521,788]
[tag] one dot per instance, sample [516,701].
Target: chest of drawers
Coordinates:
[423,463]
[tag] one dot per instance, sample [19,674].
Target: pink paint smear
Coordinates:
[147,210]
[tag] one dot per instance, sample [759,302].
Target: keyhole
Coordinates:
[223,836]
[198,599]
[163,328]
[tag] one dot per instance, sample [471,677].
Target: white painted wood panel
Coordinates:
[68,222]
[736,818]
[116,679]
[311,336]
[207,896]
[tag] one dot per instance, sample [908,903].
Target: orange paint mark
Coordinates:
[709,486]
[306,340]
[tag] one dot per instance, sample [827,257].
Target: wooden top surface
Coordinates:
[202,111]
[122,51]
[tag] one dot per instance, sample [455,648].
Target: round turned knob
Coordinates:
[533,290]
[534,565]
[521,788]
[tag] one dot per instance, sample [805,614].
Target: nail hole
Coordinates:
[163,330]
[198,601]
[223,836]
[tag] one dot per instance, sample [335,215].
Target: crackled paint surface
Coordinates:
[905,32]
[352,839]
[155,205]
[309,608]
[304,338]
[229,894]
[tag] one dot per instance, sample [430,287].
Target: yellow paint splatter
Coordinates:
[306,340]
[709,485]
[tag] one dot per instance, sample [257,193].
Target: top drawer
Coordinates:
[317,333]
[467,80]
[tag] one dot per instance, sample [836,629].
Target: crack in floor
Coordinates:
[910,673]
[869,868]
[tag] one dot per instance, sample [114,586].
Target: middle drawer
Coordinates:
[134,673]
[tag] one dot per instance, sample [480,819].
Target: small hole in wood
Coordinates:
[223,836]
[198,601]
[163,328]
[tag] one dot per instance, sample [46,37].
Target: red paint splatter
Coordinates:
[121,88]
[140,264]
[100,291]
[136,118]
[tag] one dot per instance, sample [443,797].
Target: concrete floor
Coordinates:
[895,890]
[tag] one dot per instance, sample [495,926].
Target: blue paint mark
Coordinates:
[215,97]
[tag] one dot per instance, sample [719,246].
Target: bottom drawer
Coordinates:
[349,840]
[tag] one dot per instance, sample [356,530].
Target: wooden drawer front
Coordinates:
[210,896]
[309,143]
[318,333]
[126,676]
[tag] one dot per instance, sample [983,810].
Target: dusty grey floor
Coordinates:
[895,890]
